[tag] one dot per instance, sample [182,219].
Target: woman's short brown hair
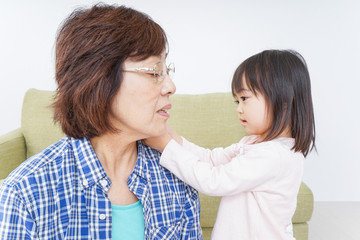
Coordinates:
[91,46]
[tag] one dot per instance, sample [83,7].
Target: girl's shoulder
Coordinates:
[251,141]
[275,147]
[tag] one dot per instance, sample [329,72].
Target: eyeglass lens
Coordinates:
[161,70]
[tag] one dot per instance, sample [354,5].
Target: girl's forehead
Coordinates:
[243,79]
[243,91]
[244,82]
[243,85]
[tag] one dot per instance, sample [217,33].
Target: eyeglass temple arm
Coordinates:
[138,69]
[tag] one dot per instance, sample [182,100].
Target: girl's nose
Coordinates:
[239,108]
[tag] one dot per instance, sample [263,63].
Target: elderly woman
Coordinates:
[100,181]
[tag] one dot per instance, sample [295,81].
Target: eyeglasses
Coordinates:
[159,70]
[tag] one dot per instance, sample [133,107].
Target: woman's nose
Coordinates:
[169,87]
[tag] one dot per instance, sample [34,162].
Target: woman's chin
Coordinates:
[161,132]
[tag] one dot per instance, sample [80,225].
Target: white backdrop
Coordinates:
[208,40]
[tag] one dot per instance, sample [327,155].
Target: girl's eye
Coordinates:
[242,99]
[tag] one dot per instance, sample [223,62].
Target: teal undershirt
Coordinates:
[128,222]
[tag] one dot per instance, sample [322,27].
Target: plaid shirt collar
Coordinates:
[141,167]
[91,170]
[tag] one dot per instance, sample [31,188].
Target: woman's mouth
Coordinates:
[164,111]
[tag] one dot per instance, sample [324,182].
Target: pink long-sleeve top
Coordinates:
[258,182]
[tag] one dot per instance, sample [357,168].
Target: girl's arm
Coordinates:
[243,173]
[160,142]
[216,156]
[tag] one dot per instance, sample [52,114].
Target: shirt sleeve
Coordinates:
[15,220]
[242,173]
[216,156]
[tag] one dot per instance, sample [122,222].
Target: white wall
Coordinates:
[208,39]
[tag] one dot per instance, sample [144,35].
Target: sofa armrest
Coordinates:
[305,205]
[12,151]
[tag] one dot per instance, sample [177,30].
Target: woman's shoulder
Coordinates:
[39,164]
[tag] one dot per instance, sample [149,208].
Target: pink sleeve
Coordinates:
[216,156]
[242,173]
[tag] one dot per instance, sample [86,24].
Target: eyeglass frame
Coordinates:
[170,71]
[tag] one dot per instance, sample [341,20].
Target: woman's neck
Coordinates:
[118,156]
[116,153]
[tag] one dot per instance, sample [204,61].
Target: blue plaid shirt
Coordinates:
[60,193]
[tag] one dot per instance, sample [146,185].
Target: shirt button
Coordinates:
[103,182]
[85,182]
[102,216]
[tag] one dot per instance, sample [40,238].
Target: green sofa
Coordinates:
[209,120]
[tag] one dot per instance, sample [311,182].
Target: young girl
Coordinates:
[260,176]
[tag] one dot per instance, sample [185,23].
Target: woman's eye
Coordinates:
[153,74]
[243,98]
[157,75]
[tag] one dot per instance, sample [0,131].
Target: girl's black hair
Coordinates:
[282,77]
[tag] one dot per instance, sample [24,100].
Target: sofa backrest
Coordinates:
[209,120]
[37,122]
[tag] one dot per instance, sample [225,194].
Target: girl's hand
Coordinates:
[160,142]
[173,134]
